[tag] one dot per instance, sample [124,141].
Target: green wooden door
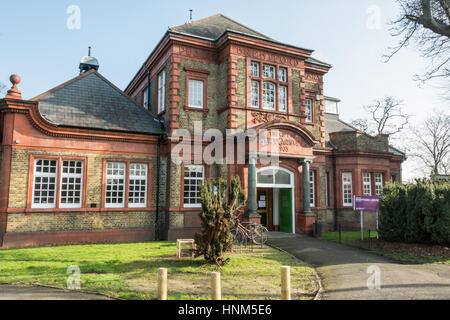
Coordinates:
[286,207]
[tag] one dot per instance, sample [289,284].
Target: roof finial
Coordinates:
[89,54]
[14,93]
[190,15]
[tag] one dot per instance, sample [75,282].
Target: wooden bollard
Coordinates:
[162,284]
[286,283]
[216,289]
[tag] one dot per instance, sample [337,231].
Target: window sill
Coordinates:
[79,210]
[205,111]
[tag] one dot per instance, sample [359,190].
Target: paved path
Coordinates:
[344,271]
[42,293]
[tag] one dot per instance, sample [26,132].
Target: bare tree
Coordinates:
[361,124]
[425,23]
[432,143]
[387,117]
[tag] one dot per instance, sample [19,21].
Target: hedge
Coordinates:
[416,213]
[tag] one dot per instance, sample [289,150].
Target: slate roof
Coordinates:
[212,28]
[90,101]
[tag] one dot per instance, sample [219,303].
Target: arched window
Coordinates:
[275,178]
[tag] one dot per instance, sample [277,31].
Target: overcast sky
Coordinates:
[352,35]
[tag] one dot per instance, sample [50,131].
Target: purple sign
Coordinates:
[365,203]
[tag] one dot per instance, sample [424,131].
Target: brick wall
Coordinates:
[75,221]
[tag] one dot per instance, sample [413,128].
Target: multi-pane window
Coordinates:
[137,194]
[347,189]
[195,94]
[71,184]
[283,98]
[378,184]
[269,96]
[255,94]
[146,102]
[312,186]
[161,92]
[367,184]
[282,74]
[269,72]
[115,185]
[194,177]
[255,69]
[309,110]
[45,180]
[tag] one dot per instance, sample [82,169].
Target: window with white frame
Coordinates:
[71,184]
[255,69]
[137,194]
[195,94]
[45,181]
[269,96]
[347,189]
[255,94]
[283,98]
[146,102]
[309,110]
[378,184]
[312,186]
[194,177]
[115,185]
[269,72]
[282,74]
[161,92]
[367,183]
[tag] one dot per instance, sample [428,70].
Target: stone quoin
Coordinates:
[87,162]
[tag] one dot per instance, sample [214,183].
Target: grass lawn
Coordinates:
[129,271]
[407,253]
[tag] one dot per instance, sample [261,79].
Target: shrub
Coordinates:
[418,213]
[218,208]
[393,213]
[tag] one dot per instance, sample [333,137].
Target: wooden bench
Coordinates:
[181,242]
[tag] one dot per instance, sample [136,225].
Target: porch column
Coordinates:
[252,208]
[306,187]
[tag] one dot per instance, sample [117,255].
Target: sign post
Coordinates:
[366,203]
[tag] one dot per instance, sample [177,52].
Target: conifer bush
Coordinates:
[417,213]
[218,207]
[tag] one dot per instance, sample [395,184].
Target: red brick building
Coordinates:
[86,162]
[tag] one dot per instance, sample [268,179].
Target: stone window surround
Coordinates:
[199,75]
[60,159]
[276,81]
[127,183]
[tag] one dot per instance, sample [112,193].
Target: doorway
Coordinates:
[275,197]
